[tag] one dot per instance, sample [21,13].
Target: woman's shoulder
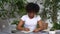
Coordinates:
[23,17]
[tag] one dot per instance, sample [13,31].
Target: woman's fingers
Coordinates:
[26,29]
[36,30]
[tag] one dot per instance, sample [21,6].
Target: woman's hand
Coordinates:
[26,29]
[36,30]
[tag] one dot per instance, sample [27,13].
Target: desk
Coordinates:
[41,32]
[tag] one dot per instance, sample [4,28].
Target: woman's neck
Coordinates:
[30,17]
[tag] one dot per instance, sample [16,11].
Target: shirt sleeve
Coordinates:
[23,18]
[38,18]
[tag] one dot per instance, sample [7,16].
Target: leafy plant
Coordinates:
[56,26]
[15,22]
[14,6]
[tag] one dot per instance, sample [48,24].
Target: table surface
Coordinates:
[19,32]
[41,32]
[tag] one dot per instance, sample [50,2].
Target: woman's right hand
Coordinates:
[26,29]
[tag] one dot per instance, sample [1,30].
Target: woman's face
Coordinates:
[31,14]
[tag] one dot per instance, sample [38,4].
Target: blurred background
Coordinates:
[12,10]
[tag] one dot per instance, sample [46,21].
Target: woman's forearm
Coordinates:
[20,28]
[40,28]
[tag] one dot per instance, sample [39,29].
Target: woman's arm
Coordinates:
[40,23]
[45,25]
[19,26]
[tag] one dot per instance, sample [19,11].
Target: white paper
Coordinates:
[26,31]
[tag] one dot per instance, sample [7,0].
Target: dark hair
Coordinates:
[32,6]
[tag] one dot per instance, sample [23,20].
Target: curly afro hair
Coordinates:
[32,6]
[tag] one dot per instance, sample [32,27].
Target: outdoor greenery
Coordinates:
[15,22]
[51,8]
[56,26]
[9,8]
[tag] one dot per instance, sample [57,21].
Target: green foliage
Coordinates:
[46,4]
[20,4]
[14,6]
[52,9]
[15,22]
[56,26]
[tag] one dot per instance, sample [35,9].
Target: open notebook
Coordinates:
[27,31]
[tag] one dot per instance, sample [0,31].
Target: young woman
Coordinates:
[31,19]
